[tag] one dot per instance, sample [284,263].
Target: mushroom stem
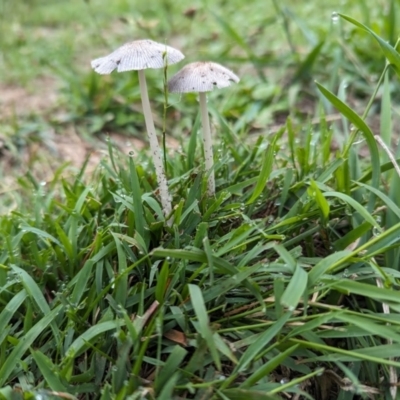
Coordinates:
[207,141]
[154,146]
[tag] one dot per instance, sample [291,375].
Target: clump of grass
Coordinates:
[284,284]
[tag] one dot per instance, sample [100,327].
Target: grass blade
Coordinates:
[170,367]
[25,342]
[261,342]
[268,367]
[48,370]
[202,326]
[363,127]
[390,52]
[295,289]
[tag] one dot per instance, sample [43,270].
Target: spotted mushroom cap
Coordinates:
[202,76]
[136,55]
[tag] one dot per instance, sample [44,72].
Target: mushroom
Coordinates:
[140,55]
[203,77]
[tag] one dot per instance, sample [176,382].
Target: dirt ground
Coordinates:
[44,156]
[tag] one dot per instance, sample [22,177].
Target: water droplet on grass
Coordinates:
[376,231]
[335,17]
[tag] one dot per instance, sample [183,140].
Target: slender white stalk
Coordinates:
[392,158]
[207,141]
[154,147]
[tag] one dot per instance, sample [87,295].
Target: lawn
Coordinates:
[282,285]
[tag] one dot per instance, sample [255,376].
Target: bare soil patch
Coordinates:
[43,157]
[40,97]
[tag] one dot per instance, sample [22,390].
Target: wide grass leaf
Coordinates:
[48,370]
[288,259]
[80,344]
[357,206]
[195,255]
[325,265]
[261,341]
[364,128]
[366,290]
[384,351]
[297,381]
[121,285]
[170,367]
[78,283]
[225,284]
[268,367]
[12,307]
[162,282]
[265,172]
[369,326]
[168,389]
[243,394]
[295,289]
[203,326]
[24,343]
[390,52]
[386,199]
[36,295]
[319,198]
[332,353]
[45,236]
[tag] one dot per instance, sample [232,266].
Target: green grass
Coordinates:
[285,285]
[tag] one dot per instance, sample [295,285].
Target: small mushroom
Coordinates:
[203,77]
[140,55]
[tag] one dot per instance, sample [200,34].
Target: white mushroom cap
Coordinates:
[137,55]
[202,76]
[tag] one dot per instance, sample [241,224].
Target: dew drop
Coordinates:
[335,17]
[375,231]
